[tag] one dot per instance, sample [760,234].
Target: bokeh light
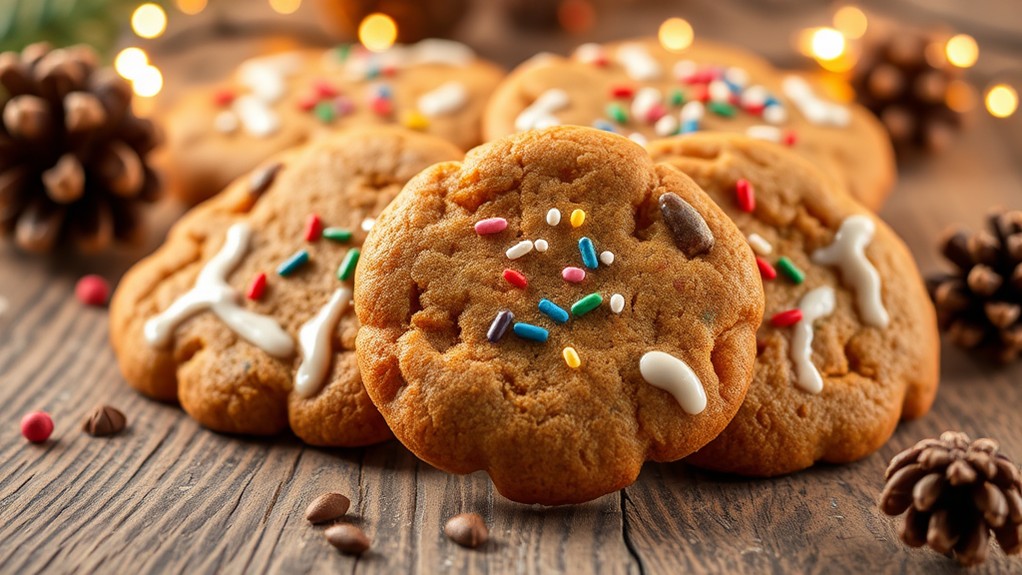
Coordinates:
[1001,100]
[149,20]
[377,32]
[962,50]
[191,7]
[827,44]
[961,97]
[676,34]
[285,6]
[130,62]
[148,82]
[851,21]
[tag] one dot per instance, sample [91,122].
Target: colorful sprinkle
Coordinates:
[722,109]
[607,258]
[617,112]
[490,226]
[588,251]
[515,278]
[343,106]
[257,288]
[601,124]
[291,264]
[382,107]
[225,122]
[571,357]
[689,127]
[553,216]
[313,228]
[617,303]
[499,325]
[223,97]
[676,98]
[791,270]
[622,91]
[347,267]
[694,110]
[531,332]
[573,274]
[764,132]
[666,126]
[790,138]
[324,112]
[774,114]
[553,311]
[765,269]
[324,89]
[760,245]
[541,245]
[367,224]
[92,290]
[746,195]
[578,217]
[520,249]
[786,318]
[337,234]
[414,120]
[586,304]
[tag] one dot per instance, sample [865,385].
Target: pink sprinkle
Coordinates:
[343,106]
[223,97]
[382,106]
[656,111]
[790,138]
[324,89]
[573,274]
[490,226]
[307,103]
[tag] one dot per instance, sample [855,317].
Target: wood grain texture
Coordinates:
[169,496]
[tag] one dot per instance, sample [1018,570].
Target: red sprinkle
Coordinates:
[257,287]
[223,97]
[389,70]
[699,92]
[313,228]
[790,138]
[786,318]
[746,195]
[382,106]
[325,89]
[655,112]
[765,269]
[92,290]
[516,278]
[754,109]
[622,91]
[308,102]
[36,426]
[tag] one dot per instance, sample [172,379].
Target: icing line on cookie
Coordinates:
[848,253]
[211,292]
[816,304]
[540,113]
[314,341]
[638,63]
[446,99]
[666,372]
[814,108]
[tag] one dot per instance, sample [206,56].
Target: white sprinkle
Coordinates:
[617,303]
[542,109]
[719,91]
[367,224]
[644,101]
[590,53]
[764,132]
[694,110]
[638,63]
[754,96]
[520,249]
[737,76]
[256,116]
[553,216]
[607,258]
[541,245]
[638,138]
[760,245]
[225,122]
[684,70]
[667,125]
[814,108]
[446,99]
[775,114]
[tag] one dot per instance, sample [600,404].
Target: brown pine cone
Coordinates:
[980,304]
[955,492]
[72,153]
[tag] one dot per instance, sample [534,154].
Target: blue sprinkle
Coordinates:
[735,88]
[292,263]
[383,91]
[499,326]
[689,126]
[589,257]
[771,101]
[372,72]
[604,125]
[531,332]
[551,310]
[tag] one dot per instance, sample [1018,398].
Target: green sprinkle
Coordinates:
[722,109]
[677,98]
[299,259]
[586,304]
[791,270]
[337,234]
[325,112]
[347,268]
[617,113]
[343,51]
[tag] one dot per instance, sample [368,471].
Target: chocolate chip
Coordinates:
[262,179]
[104,421]
[327,507]
[689,229]
[468,530]
[347,538]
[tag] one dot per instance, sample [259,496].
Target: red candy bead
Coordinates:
[516,278]
[313,228]
[257,287]
[382,106]
[308,102]
[622,92]
[699,93]
[746,195]
[790,138]
[765,269]
[324,89]
[36,426]
[786,318]
[92,290]
[223,97]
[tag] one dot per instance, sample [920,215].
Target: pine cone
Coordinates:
[905,81]
[72,153]
[980,305]
[956,492]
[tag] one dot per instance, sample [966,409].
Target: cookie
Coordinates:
[848,345]
[275,102]
[643,90]
[555,311]
[244,314]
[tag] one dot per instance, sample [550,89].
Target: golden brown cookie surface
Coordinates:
[185,324]
[664,350]
[833,385]
[640,88]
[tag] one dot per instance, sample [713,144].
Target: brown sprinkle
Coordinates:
[687,226]
[347,538]
[104,421]
[467,529]
[327,507]
[262,179]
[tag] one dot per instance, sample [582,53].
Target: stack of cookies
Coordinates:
[655,256]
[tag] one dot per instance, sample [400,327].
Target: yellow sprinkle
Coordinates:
[414,120]
[571,357]
[577,217]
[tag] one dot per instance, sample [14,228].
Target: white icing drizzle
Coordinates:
[266,77]
[590,53]
[815,304]
[398,56]
[211,292]
[639,65]
[446,99]
[848,253]
[540,113]
[814,108]
[664,371]
[256,116]
[315,343]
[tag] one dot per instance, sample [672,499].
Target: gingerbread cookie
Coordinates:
[244,314]
[849,343]
[275,102]
[555,311]
[642,90]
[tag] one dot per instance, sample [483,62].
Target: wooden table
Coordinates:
[169,496]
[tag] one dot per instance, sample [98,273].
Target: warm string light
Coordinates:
[827,44]
[377,32]
[149,21]
[961,50]
[676,34]
[851,21]
[190,7]
[285,6]
[133,65]
[1001,100]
